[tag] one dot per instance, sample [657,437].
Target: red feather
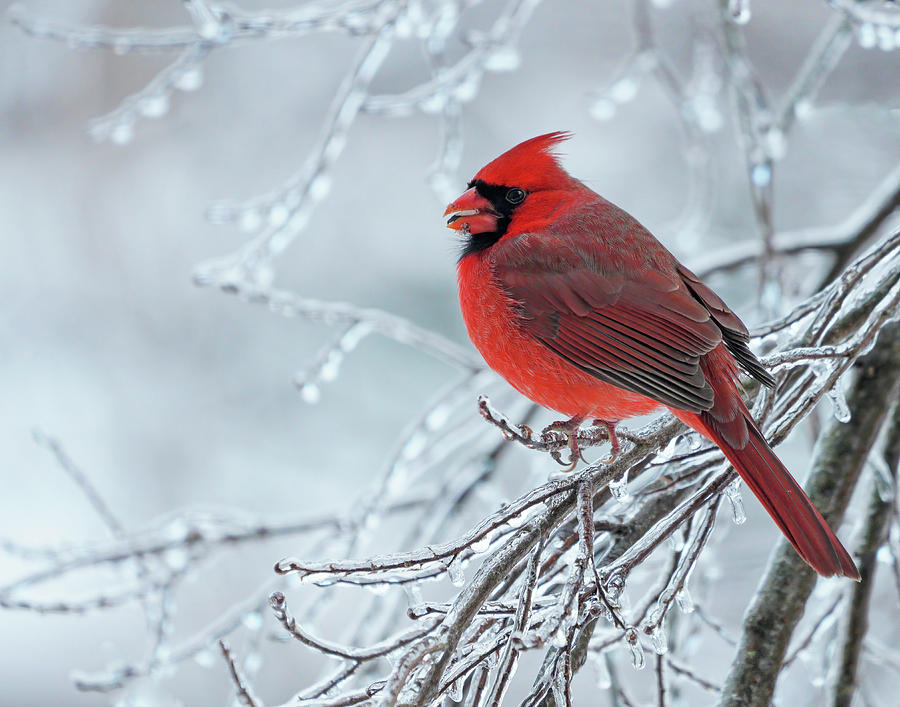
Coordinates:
[582,310]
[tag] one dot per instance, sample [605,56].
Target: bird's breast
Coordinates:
[492,318]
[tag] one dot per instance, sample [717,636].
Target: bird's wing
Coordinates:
[633,327]
[734,332]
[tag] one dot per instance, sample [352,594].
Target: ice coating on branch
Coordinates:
[733,493]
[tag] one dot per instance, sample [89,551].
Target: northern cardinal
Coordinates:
[583,311]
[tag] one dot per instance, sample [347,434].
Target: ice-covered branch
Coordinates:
[879,516]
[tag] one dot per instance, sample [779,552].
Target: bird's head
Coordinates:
[505,188]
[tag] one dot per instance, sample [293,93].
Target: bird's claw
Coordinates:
[569,429]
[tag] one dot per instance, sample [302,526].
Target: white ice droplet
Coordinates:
[122,133]
[602,108]
[253,620]
[311,393]
[154,106]
[503,58]
[434,103]
[761,174]
[331,366]
[190,79]
[278,215]
[205,658]
[250,220]
[866,35]
[319,187]
[414,445]
[623,90]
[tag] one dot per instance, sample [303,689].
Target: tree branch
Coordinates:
[877,523]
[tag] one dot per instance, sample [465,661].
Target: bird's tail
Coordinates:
[783,498]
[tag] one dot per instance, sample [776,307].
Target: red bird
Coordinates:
[583,311]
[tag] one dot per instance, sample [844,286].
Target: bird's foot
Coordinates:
[568,429]
[613,440]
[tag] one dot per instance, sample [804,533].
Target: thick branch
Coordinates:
[788,582]
[877,523]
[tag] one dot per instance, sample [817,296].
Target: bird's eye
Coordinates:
[515,195]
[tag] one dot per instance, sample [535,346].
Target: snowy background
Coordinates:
[169,395]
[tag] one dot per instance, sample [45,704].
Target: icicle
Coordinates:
[455,573]
[685,600]
[884,479]
[733,492]
[455,691]
[659,639]
[840,409]
[413,594]
[637,651]
[619,488]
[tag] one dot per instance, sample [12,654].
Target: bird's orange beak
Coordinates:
[471,213]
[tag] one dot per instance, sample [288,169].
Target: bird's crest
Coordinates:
[532,164]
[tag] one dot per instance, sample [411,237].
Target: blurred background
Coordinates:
[168,395]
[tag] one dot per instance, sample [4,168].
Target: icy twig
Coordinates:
[285,618]
[509,656]
[389,325]
[242,687]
